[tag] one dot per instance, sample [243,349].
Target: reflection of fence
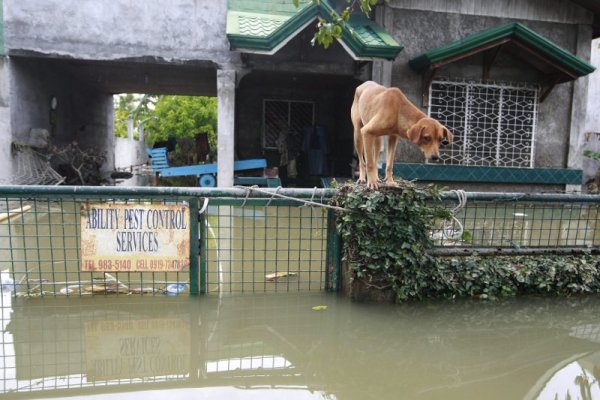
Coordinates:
[251,241]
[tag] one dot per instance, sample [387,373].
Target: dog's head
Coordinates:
[429,134]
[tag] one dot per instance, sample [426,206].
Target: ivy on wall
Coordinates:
[387,234]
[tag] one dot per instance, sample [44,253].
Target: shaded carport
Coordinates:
[73,98]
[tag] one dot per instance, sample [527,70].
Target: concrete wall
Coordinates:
[130,152]
[592,130]
[119,29]
[420,31]
[538,10]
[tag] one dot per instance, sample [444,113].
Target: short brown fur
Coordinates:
[378,111]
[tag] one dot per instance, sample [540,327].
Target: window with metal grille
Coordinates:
[493,124]
[285,115]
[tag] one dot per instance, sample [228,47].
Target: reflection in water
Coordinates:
[278,346]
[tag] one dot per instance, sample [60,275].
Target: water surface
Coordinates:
[274,346]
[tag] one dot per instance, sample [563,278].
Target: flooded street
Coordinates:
[298,346]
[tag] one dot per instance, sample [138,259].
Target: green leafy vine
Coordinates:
[387,234]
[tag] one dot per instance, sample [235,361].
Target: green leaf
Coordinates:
[466,236]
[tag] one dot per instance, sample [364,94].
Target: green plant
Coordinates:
[331,28]
[386,236]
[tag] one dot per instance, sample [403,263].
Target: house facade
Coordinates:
[509,78]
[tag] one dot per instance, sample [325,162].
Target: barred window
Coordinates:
[289,115]
[493,124]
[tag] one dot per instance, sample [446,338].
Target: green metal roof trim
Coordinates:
[261,25]
[513,30]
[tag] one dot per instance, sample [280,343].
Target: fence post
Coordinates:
[203,251]
[194,245]
[334,249]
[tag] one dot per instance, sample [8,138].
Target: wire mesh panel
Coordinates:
[522,225]
[266,249]
[40,251]
[493,124]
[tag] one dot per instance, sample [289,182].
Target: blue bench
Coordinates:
[206,173]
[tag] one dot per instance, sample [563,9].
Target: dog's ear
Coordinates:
[414,132]
[448,136]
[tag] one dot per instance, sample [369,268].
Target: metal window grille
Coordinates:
[493,124]
[285,115]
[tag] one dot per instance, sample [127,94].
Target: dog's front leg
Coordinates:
[389,161]
[360,153]
[370,142]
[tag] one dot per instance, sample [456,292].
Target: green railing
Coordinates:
[259,240]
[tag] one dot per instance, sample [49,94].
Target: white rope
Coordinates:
[282,196]
[273,195]
[312,197]
[448,230]
[204,206]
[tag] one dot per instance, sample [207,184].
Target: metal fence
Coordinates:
[517,223]
[239,242]
[252,240]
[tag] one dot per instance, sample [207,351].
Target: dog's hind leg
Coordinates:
[389,161]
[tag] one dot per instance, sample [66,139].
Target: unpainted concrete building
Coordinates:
[510,78]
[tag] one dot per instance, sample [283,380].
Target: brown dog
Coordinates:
[378,111]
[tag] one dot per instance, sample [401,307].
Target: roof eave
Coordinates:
[497,36]
[357,49]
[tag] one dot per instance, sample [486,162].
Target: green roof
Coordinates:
[522,40]
[263,25]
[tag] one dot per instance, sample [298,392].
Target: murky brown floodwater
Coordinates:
[275,346]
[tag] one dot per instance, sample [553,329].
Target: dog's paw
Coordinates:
[374,185]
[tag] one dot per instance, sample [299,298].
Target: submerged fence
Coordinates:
[253,240]
[238,242]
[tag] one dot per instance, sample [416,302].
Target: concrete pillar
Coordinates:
[130,128]
[6,165]
[592,127]
[579,106]
[381,71]
[225,126]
